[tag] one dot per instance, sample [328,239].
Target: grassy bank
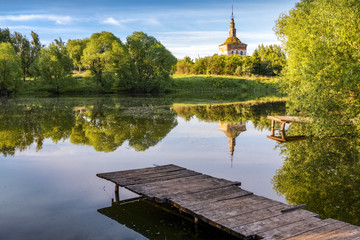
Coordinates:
[211,83]
[84,84]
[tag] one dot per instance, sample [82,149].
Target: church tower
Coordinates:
[232,45]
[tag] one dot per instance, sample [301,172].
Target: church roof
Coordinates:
[232,40]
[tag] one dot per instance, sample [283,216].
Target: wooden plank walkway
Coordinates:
[223,204]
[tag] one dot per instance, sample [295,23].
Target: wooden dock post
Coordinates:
[117,195]
[272,127]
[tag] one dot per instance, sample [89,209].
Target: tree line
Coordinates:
[142,64]
[321,76]
[265,61]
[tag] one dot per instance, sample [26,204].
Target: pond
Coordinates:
[52,149]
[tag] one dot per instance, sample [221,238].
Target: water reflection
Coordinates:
[324,174]
[232,131]
[232,117]
[233,112]
[104,124]
[155,222]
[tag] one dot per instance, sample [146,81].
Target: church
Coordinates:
[232,45]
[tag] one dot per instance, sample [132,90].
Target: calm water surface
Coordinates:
[52,150]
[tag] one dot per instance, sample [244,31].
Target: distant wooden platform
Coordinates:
[286,119]
[223,204]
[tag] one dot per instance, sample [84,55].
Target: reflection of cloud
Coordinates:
[29,17]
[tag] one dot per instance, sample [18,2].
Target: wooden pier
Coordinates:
[224,205]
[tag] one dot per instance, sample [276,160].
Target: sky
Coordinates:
[186,28]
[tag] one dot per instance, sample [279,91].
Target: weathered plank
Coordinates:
[318,233]
[142,171]
[235,218]
[344,233]
[209,195]
[274,222]
[292,229]
[154,177]
[231,203]
[183,185]
[221,203]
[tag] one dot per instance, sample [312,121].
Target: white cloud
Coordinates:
[55,18]
[137,21]
[112,21]
[151,22]
[42,29]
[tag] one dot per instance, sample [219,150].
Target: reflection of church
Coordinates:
[232,130]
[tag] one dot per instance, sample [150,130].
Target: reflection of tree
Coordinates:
[105,124]
[324,174]
[23,124]
[234,112]
[109,128]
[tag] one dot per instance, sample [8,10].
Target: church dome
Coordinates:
[232,40]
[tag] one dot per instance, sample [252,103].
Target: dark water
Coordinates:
[51,150]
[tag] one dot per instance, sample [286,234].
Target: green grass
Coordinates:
[218,86]
[210,83]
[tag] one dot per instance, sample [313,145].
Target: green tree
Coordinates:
[121,65]
[223,64]
[184,66]
[231,64]
[246,68]
[76,49]
[5,35]
[35,49]
[217,64]
[268,60]
[10,69]
[22,47]
[201,65]
[97,57]
[321,76]
[152,62]
[54,65]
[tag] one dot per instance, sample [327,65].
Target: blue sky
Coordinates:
[186,28]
